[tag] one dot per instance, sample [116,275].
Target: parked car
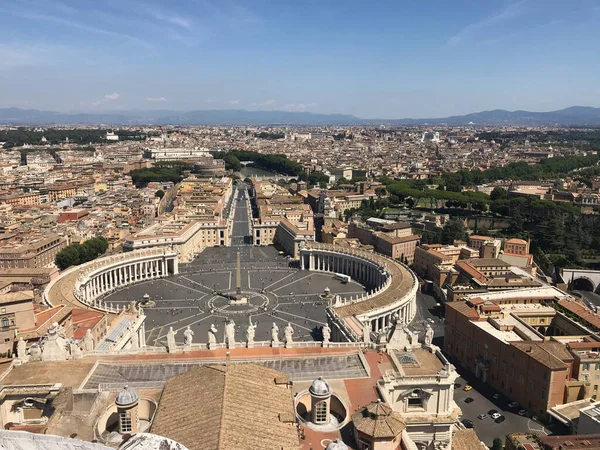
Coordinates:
[495,415]
[522,412]
[430,320]
[467,387]
[492,411]
[457,385]
[469,400]
[513,405]
[497,396]
[467,423]
[500,419]
[482,416]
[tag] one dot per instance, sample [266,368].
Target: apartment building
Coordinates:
[16,312]
[31,251]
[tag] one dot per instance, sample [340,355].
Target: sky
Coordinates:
[374,59]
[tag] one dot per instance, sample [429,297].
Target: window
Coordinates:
[125,422]
[544,394]
[542,320]
[476,347]
[586,377]
[5,322]
[531,385]
[586,366]
[521,378]
[321,412]
[595,387]
[415,402]
[597,366]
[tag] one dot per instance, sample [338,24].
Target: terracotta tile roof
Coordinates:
[464,309]
[542,354]
[238,406]
[581,311]
[465,439]
[378,420]
[471,271]
[44,319]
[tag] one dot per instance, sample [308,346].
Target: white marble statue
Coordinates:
[188,335]
[212,336]
[135,338]
[22,349]
[230,333]
[74,351]
[88,341]
[288,331]
[250,333]
[428,335]
[274,335]
[36,352]
[326,332]
[171,345]
[55,344]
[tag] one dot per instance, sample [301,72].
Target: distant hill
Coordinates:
[573,116]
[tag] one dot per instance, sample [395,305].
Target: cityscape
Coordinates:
[180,272]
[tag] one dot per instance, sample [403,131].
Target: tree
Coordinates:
[160,193]
[498,194]
[67,257]
[454,230]
[497,444]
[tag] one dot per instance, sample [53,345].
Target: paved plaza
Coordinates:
[196,296]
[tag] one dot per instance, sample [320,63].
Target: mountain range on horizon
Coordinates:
[572,116]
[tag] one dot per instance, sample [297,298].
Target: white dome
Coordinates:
[320,388]
[127,397]
[336,445]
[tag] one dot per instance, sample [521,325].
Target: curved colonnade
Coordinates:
[392,290]
[89,282]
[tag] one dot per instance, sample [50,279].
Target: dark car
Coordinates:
[457,385]
[467,423]
[469,399]
[500,419]
[492,411]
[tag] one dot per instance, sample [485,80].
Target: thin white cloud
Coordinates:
[156,99]
[299,106]
[107,98]
[30,14]
[165,16]
[16,54]
[512,11]
[234,102]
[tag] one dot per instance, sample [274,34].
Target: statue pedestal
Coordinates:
[187,348]
[231,345]
[250,345]
[274,344]
[326,344]
[289,344]
[210,346]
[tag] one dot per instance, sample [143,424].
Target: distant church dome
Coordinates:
[336,445]
[127,398]
[320,388]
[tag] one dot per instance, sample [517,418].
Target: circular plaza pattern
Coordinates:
[201,295]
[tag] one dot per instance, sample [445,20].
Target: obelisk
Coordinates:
[238,277]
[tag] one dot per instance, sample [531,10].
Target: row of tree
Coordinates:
[22,136]
[76,253]
[168,171]
[546,168]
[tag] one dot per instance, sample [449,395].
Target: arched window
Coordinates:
[5,322]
